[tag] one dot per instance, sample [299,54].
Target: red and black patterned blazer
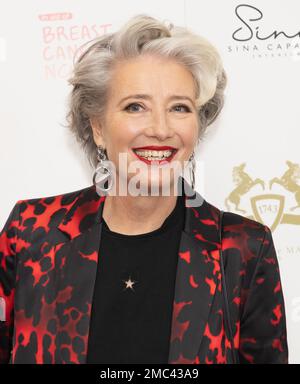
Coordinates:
[48,262]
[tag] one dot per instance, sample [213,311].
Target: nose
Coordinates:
[159,126]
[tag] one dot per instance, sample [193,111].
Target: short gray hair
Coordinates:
[140,35]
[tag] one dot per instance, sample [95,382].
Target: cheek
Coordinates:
[124,133]
[189,137]
[118,138]
[121,139]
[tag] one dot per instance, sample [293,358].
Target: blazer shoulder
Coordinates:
[232,218]
[65,197]
[51,207]
[250,232]
[242,236]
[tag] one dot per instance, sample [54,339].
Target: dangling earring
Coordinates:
[103,172]
[192,169]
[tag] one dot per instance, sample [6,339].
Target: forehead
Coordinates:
[149,72]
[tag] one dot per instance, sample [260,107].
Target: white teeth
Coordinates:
[154,154]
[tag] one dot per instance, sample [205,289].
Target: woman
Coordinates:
[100,276]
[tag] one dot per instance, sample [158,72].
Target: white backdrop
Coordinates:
[256,137]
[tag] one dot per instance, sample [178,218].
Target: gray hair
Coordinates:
[140,35]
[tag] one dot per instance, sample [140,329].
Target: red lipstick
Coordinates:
[156,148]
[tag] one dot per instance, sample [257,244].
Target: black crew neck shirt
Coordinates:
[131,322]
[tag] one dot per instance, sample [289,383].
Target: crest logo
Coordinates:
[269,208]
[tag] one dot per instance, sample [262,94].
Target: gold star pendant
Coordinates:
[129,283]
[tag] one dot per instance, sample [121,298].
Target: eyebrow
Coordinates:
[148,97]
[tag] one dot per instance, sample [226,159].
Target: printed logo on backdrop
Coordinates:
[253,37]
[62,38]
[277,203]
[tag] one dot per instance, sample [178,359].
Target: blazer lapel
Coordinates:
[197,275]
[77,259]
[197,279]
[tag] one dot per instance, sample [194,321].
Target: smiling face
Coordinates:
[151,103]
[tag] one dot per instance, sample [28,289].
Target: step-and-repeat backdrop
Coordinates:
[249,162]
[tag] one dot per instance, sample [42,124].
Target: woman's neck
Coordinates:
[134,215]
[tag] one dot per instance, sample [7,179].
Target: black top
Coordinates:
[133,325]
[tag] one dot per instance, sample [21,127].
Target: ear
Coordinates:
[97,131]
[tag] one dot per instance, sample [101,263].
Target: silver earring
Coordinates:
[192,169]
[103,172]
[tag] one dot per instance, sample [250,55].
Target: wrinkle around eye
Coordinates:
[129,105]
[187,108]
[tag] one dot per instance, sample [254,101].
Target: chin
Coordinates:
[157,184]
